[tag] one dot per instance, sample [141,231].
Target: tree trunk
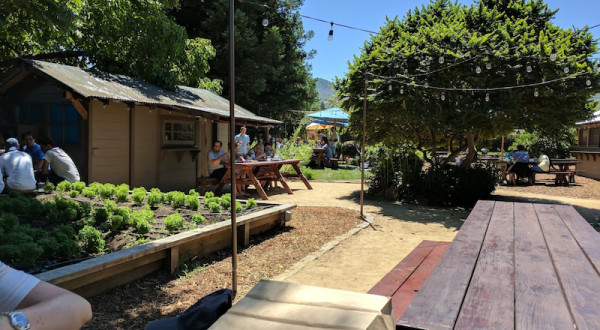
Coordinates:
[433,146]
[472,151]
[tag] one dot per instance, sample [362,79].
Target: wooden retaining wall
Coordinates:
[94,276]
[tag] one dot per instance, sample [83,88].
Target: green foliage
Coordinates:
[68,249]
[143,226]
[122,195]
[198,219]
[63,187]
[192,201]
[116,221]
[289,150]
[207,201]
[101,215]
[250,203]
[125,213]
[96,187]
[450,185]
[155,198]
[89,192]
[92,239]
[209,194]
[29,253]
[505,34]
[193,192]
[238,207]
[177,200]
[397,167]
[110,206]
[226,201]
[142,220]
[73,193]
[556,147]
[84,209]
[214,207]
[79,186]
[49,187]
[139,194]
[107,190]
[174,222]
[9,253]
[8,222]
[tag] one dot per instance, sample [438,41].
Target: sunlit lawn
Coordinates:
[327,174]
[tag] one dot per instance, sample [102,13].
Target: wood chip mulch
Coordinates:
[544,185]
[161,295]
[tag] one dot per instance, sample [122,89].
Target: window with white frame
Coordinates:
[178,132]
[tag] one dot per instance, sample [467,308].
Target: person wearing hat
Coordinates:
[17,166]
[63,167]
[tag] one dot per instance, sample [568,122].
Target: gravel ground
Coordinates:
[159,295]
[544,185]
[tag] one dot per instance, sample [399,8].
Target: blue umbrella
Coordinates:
[333,115]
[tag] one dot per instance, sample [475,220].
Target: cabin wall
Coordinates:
[145,147]
[590,164]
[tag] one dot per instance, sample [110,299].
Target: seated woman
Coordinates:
[543,165]
[326,150]
[258,154]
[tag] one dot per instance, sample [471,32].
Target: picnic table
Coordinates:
[319,156]
[251,169]
[513,266]
[563,164]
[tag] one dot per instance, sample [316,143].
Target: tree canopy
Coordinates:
[485,46]
[272,74]
[131,37]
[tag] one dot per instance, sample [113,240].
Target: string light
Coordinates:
[487,97]
[426,84]
[443,96]
[529,69]
[401,89]
[330,38]
[566,69]
[478,69]
[553,55]
[588,81]
[390,87]
[536,93]
[441,59]
[488,65]
[265,21]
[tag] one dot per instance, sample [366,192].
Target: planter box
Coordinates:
[91,277]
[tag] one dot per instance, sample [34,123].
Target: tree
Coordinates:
[272,73]
[130,37]
[447,44]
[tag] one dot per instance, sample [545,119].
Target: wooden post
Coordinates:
[362,166]
[267,134]
[502,148]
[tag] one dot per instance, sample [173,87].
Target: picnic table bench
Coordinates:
[511,266]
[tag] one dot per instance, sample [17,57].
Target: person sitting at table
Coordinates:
[216,157]
[543,165]
[33,149]
[269,151]
[63,167]
[258,152]
[521,165]
[17,166]
[326,150]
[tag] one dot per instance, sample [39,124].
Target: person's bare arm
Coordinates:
[50,307]
[45,167]
[217,161]
[38,164]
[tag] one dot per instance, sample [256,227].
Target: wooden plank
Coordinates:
[586,236]
[391,282]
[539,301]
[489,302]
[174,258]
[579,280]
[437,304]
[413,284]
[79,107]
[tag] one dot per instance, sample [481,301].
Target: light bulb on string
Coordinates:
[426,84]
[488,65]
[390,87]
[443,96]
[536,93]
[588,81]
[529,69]
[441,59]
[478,69]
[265,21]
[401,89]
[566,69]
[487,97]
[553,55]
[330,38]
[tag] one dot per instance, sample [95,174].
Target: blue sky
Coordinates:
[332,57]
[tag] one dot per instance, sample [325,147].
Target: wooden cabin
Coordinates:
[588,147]
[119,129]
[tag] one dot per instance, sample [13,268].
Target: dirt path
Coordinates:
[362,260]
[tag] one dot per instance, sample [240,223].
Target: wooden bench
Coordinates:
[204,181]
[332,163]
[562,177]
[403,282]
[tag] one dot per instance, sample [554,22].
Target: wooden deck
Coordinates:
[513,266]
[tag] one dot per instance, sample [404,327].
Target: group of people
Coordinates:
[23,164]
[521,164]
[243,153]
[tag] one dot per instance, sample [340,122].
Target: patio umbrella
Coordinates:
[317,126]
[331,116]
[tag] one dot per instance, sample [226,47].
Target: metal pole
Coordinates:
[362,166]
[232,142]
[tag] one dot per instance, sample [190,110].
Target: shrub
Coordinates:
[110,206]
[193,192]
[49,245]
[143,226]
[68,249]
[35,233]
[122,195]
[68,215]
[450,185]
[214,207]
[177,200]
[124,212]
[49,187]
[9,253]
[73,193]
[174,222]
[169,196]
[145,215]
[226,201]
[198,219]
[207,201]
[93,241]
[250,203]
[116,221]
[84,209]
[79,186]
[139,194]
[123,186]
[209,194]
[192,201]
[238,207]
[36,208]
[155,198]
[63,187]
[96,187]
[87,221]
[88,192]
[100,215]
[107,190]
[29,253]
[65,230]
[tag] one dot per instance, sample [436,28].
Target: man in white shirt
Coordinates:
[243,141]
[18,167]
[62,165]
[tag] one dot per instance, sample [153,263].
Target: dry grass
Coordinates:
[544,185]
[159,295]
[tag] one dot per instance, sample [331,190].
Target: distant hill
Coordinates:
[325,89]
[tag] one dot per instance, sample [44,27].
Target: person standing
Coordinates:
[63,167]
[243,141]
[216,156]
[18,168]
[335,137]
[33,149]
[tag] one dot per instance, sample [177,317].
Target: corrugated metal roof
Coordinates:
[101,85]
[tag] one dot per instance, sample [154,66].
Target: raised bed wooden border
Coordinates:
[94,276]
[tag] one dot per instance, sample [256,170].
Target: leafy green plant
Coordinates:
[207,201]
[193,192]
[122,195]
[209,194]
[36,209]
[110,206]
[238,207]
[124,212]
[79,186]
[92,239]
[84,209]
[192,201]
[139,194]
[29,253]
[214,207]
[107,190]
[63,187]
[8,222]
[155,198]
[116,221]
[49,187]
[68,249]
[177,200]
[73,193]
[96,187]
[251,203]
[174,222]
[198,219]
[226,201]
[88,192]
[169,196]
[101,215]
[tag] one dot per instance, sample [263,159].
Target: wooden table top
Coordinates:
[264,163]
[514,266]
